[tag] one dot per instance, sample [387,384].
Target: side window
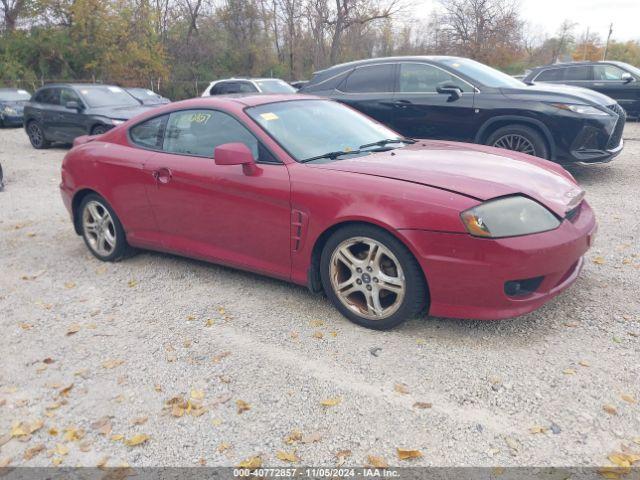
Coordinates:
[149,134]
[68,95]
[218,88]
[578,73]
[423,78]
[246,87]
[50,96]
[199,132]
[370,79]
[551,75]
[607,72]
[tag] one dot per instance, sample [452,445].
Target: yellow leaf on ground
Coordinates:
[610,409]
[112,363]
[251,463]
[19,429]
[628,398]
[316,323]
[318,334]
[64,392]
[223,447]
[331,402]
[132,283]
[538,429]
[599,260]
[377,462]
[139,420]
[117,437]
[569,371]
[70,285]
[216,422]
[137,439]
[56,461]
[584,363]
[5,462]
[294,436]
[287,456]
[73,329]
[61,449]
[401,388]
[71,434]
[33,451]
[619,459]
[242,406]
[197,394]
[408,454]
[210,322]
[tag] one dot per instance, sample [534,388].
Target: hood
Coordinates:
[122,113]
[18,105]
[560,93]
[472,170]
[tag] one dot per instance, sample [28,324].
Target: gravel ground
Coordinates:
[93,353]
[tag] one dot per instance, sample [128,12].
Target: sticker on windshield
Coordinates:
[202,118]
[23,92]
[269,116]
[115,89]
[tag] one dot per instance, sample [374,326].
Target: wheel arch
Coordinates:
[313,274]
[75,206]
[492,124]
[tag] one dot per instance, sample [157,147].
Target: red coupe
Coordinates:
[311,191]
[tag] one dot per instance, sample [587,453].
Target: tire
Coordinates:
[520,138]
[36,136]
[99,130]
[101,229]
[393,276]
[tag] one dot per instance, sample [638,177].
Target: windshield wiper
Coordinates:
[331,155]
[382,143]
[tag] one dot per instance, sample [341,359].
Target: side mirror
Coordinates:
[73,105]
[450,89]
[236,154]
[627,77]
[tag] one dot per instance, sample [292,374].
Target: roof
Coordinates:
[78,85]
[392,59]
[576,63]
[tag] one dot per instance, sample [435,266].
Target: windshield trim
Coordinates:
[96,87]
[475,80]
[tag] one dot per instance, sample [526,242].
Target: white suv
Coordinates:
[248,85]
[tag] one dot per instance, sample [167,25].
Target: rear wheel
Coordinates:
[36,136]
[98,130]
[519,138]
[101,229]
[371,277]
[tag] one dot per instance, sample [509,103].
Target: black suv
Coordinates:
[62,112]
[617,80]
[459,99]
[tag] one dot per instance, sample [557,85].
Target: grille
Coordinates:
[616,136]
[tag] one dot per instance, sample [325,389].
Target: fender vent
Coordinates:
[298,229]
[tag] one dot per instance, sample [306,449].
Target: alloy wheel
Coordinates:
[516,142]
[99,228]
[35,134]
[367,278]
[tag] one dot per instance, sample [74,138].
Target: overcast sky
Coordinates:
[547,15]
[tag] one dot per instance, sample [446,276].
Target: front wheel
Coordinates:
[36,136]
[372,278]
[101,229]
[99,130]
[521,139]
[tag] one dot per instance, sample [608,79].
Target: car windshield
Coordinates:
[310,128]
[275,86]
[483,74]
[144,94]
[106,96]
[14,95]
[630,68]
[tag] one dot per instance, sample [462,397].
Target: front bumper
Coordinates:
[596,145]
[467,275]
[11,120]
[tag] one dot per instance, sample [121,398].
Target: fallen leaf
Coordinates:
[287,456]
[102,425]
[422,405]
[408,454]
[538,429]
[75,328]
[610,409]
[294,436]
[401,388]
[421,341]
[225,378]
[85,446]
[619,459]
[56,461]
[197,394]
[311,437]
[71,434]
[5,462]
[341,456]
[210,322]
[223,447]
[112,363]
[569,371]
[512,443]
[70,285]
[584,363]
[102,462]
[251,463]
[216,422]
[316,323]
[64,392]
[53,431]
[242,406]
[61,449]
[377,462]
[137,439]
[33,451]
[132,283]
[628,398]
[599,260]
[331,402]
[26,326]
[191,317]
[217,358]
[318,334]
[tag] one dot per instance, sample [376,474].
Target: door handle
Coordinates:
[402,103]
[162,175]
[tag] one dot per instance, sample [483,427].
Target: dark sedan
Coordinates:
[62,112]
[12,101]
[459,99]
[617,80]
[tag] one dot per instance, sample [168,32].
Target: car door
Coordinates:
[217,212]
[578,76]
[420,111]
[47,107]
[611,80]
[369,89]
[72,120]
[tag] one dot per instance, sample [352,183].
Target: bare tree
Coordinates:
[11,12]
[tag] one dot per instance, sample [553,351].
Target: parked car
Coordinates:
[12,102]
[247,85]
[147,97]
[1,178]
[62,112]
[310,191]
[617,80]
[298,84]
[459,99]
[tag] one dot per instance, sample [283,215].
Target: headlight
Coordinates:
[581,109]
[117,122]
[10,111]
[508,217]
